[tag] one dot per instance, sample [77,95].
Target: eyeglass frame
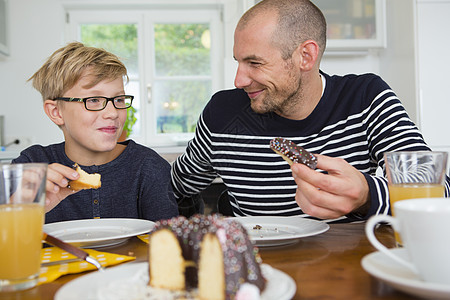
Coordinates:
[74,99]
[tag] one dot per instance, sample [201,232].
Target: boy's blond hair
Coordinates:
[66,65]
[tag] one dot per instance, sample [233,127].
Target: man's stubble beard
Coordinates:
[270,104]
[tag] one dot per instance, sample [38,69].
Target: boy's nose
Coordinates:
[110,109]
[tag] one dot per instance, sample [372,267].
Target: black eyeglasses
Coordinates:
[99,103]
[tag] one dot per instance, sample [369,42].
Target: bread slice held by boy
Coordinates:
[86,181]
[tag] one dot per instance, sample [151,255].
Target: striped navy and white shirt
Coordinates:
[358,118]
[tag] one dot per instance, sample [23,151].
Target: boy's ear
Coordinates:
[53,112]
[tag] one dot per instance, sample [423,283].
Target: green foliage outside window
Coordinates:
[179,50]
[120,39]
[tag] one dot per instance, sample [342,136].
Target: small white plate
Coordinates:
[393,273]
[92,233]
[277,231]
[130,282]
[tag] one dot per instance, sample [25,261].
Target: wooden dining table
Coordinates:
[324,266]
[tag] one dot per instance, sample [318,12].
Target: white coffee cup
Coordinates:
[424,226]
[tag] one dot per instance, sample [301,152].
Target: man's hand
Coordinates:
[328,196]
[58,177]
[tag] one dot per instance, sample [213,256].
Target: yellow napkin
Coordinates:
[144,238]
[51,273]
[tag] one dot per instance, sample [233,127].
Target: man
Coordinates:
[348,122]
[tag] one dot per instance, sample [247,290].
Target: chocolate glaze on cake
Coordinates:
[240,256]
[290,151]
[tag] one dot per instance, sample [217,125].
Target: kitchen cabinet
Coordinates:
[7,156]
[433,60]
[354,24]
[415,64]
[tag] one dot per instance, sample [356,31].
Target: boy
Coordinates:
[77,83]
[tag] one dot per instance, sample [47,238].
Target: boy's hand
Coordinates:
[58,177]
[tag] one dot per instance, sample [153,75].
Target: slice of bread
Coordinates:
[86,180]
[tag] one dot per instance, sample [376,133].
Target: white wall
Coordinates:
[37,29]
[397,63]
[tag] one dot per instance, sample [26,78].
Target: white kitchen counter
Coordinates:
[7,156]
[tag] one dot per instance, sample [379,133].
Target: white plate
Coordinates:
[92,233]
[393,273]
[130,282]
[277,231]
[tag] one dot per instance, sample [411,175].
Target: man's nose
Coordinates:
[242,78]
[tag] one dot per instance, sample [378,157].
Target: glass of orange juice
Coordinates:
[22,198]
[414,175]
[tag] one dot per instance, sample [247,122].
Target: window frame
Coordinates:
[144,19]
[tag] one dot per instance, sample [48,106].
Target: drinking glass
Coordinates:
[414,175]
[22,198]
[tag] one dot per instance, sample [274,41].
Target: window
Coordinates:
[182,75]
[173,60]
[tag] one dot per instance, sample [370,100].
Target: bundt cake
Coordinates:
[211,253]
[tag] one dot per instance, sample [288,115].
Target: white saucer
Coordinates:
[130,281]
[92,233]
[393,273]
[277,231]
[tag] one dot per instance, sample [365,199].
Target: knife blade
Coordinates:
[60,262]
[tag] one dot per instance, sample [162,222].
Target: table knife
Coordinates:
[72,250]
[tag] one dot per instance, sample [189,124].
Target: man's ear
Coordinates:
[307,53]
[53,111]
